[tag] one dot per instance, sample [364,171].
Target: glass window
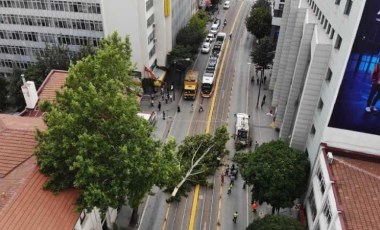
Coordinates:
[328,75]
[327,213]
[313,207]
[148,4]
[347,8]
[337,2]
[338,42]
[320,104]
[332,33]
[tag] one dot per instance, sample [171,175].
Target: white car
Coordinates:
[215,26]
[210,37]
[226,5]
[206,46]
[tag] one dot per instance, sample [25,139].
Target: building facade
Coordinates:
[27,26]
[326,87]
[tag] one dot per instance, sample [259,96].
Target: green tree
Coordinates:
[261,4]
[263,53]
[259,22]
[179,53]
[276,222]
[53,57]
[94,140]
[198,156]
[278,174]
[194,32]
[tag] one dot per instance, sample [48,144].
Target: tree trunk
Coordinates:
[134,218]
[273,210]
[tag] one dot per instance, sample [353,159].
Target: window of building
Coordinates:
[319,15]
[152,52]
[313,207]
[338,42]
[325,25]
[320,104]
[327,213]
[150,20]
[322,184]
[323,19]
[148,5]
[332,33]
[328,75]
[312,130]
[337,2]
[347,8]
[151,37]
[328,29]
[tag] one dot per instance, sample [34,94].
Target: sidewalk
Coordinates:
[161,132]
[264,131]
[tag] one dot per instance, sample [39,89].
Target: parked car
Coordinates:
[226,5]
[206,46]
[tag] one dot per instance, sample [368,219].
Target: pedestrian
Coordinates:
[231,36]
[217,161]
[253,79]
[232,179]
[227,170]
[166,98]
[178,109]
[152,103]
[258,80]
[159,106]
[222,178]
[229,189]
[162,97]
[162,91]
[244,184]
[265,79]
[233,167]
[254,206]
[163,115]
[171,97]
[234,217]
[200,108]
[256,145]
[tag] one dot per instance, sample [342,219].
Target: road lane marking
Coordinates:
[194,207]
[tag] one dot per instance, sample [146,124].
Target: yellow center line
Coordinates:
[196,192]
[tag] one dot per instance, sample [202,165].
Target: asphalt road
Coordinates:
[235,94]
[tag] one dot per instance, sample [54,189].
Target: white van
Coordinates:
[214,28]
[151,117]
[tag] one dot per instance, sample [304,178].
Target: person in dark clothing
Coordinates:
[263,101]
[159,106]
[265,79]
[163,115]
[178,109]
[258,80]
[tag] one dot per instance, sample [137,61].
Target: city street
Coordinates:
[213,208]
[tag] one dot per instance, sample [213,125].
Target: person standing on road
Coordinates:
[229,189]
[163,115]
[235,216]
[159,106]
[222,178]
[263,101]
[231,36]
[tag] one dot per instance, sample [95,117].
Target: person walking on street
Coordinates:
[235,216]
[178,109]
[227,170]
[263,101]
[231,36]
[152,103]
[200,108]
[222,178]
[258,80]
[265,79]
[229,189]
[163,115]
[159,106]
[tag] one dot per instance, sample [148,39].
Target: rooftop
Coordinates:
[357,180]
[23,202]
[54,82]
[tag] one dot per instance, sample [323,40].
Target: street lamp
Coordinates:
[249,69]
[174,65]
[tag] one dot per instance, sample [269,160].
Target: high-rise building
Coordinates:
[27,26]
[326,87]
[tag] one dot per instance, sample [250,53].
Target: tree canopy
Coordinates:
[54,56]
[276,222]
[193,34]
[259,21]
[263,53]
[198,158]
[277,172]
[94,140]
[180,53]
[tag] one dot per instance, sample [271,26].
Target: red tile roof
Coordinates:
[357,181]
[47,91]
[35,208]
[17,140]
[23,202]
[52,83]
